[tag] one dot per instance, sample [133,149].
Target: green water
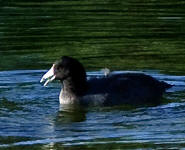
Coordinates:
[117,34]
[120,35]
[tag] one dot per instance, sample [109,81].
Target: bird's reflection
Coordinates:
[68,114]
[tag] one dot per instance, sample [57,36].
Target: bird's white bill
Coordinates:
[49,76]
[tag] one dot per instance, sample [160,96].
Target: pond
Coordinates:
[131,35]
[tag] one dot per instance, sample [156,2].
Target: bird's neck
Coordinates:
[75,86]
[72,90]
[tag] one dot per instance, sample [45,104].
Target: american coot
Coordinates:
[114,89]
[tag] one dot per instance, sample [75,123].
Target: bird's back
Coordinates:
[130,88]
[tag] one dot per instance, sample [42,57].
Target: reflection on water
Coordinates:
[118,34]
[69,114]
[30,117]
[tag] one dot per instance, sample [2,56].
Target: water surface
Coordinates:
[30,117]
[120,35]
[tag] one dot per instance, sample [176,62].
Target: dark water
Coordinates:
[30,117]
[120,35]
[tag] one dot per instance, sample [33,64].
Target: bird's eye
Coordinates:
[57,68]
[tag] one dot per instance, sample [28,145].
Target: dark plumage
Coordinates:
[114,89]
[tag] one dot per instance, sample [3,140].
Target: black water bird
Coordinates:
[110,90]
